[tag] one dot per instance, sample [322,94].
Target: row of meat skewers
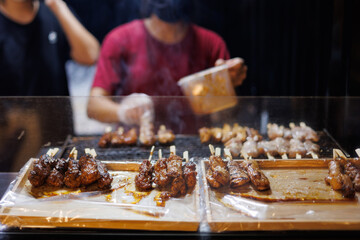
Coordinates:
[344,174]
[167,174]
[70,172]
[146,136]
[297,142]
[233,173]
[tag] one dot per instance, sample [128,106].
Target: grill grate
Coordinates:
[183,143]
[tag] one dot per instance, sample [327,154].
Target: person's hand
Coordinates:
[237,69]
[135,108]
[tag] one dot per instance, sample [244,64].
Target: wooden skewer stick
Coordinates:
[72,152]
[87,151]
[75,154]
[227,154]
[93,153]
[108,129]
[49,152]
[120,130]
[298,156]
[358,152]
[270,156]
[302,124]
[212,150]
[218,151]
[245,155]
[53,152]
[160,154]
[151,152]
[334,154]
[284,156]
[291,125]
[314,155]
[340,154]
[186,156]
[172,150]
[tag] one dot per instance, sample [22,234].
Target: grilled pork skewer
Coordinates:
[350,169]
[147,136]
[174,169]
[257,177]
[235,145]
[227,133]
[297,149]
[165,135]
[312,149]
[105,139]
[250,148]
[238,176]
[216,134]
[161,179]
[189,171]
[240,132]
[275,131]
[205,134]
[42,168]
[217,174]
[130,137]
[269,148]
[144,177]
[282,146]
[253,134]
[337,180]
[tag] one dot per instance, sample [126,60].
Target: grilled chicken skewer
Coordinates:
[143,180]
[257,177]
[217,175]
[189,171]
[161,179]
[238,176]
[174,170]
[165,135]
[205,134]
[105,139]
[336,179]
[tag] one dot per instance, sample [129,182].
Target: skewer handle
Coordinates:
[227,154]
[172,150]
[270,156]
[212,150]
[284,156]
[302,124]
[186,156]
[108,129]
[358,152]
[120,130]
[151,152]
[93,153]
[291,125]
[245,155]
[160,154]
[340,154]
[314,155]
[217,151]
[298,156]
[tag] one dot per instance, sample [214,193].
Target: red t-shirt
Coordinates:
[131,60]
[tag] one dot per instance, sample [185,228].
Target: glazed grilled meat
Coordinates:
[165,135]
[56,178]
[274,131]
[296,147]
[178,186]
[89,170]
[144,177]
[238,176]
[250,148]
[211,180]
[190,174]
[130,137]
[257,177]
[174,166]
[105,180]
[219,169]
[161,178]
[205,134]
[73,174]
[41,170]
[105,140]
[117,138]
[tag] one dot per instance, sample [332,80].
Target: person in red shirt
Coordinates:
[147,57]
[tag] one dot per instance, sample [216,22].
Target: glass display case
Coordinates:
[30,126]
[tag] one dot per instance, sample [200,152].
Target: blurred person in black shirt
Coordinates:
[36,39]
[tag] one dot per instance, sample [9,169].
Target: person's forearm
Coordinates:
[102,109]
[84,46]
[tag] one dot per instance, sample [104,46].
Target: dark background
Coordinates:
[292,47]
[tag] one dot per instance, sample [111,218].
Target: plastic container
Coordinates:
[210,90]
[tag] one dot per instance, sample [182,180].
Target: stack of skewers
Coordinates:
[146,136]
[167,174]
[294,142]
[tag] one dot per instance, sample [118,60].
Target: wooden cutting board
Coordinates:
[299,199]
[122,208]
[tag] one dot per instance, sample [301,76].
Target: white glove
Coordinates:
[135,108]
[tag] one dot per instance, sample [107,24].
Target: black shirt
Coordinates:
[33,56]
